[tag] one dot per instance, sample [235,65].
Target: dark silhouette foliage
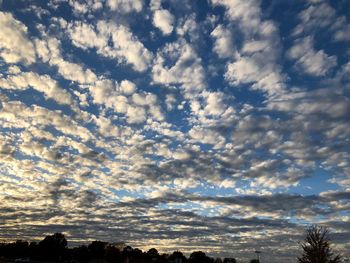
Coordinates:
[80,254]
[153,253]
[177,256]
[53,247]
[56,241]
[97,249]
[317,247]
[229,260]
[112,254]
[200,257]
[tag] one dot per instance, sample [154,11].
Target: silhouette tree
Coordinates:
[57,240]
[153,253]
[200,257]
[316,247]
[229,260]
[33,250]
[80,254]
[97,249]
[137,254]
[177,256]
[21,248]
[112,254]
[53,247]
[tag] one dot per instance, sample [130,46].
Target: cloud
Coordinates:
[223,45]
[127,87]
[343,34]
[136,114]
[163,20]
[170,100]
[6,150]
[86,7]
[312,62]
[206,136]
[246,12]
[36,115]
[213,110]
[316,112]
[49,51]
[319,16]
[14,43]
[123,99]
[215,103]
[248,70]
[315,16]
[44,84]
[125,47]
[257,62]
[187,70]
[188,26]
[320,102]
[125,6]
[84,36]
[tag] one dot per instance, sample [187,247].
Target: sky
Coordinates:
[213,125]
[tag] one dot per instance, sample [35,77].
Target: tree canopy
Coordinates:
[317,247]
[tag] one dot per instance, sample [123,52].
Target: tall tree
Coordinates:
[200,257]
[317,247]
[56,241]
[53,247]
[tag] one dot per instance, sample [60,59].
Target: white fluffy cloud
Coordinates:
[223,45]
[247,12]
[125,6]
[136,114]
[127,87]
[312,62]
[42,83]
[257,61]
[17,114]
[320,15]
[123,99]
[343,34]
[125,45]
[208,136]
[84,36]
[15,46]
[187,71]
[249,70]
[214,103]
[163,20]
[49,51]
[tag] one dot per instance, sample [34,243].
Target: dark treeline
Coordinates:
[54,249]
[316,248]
